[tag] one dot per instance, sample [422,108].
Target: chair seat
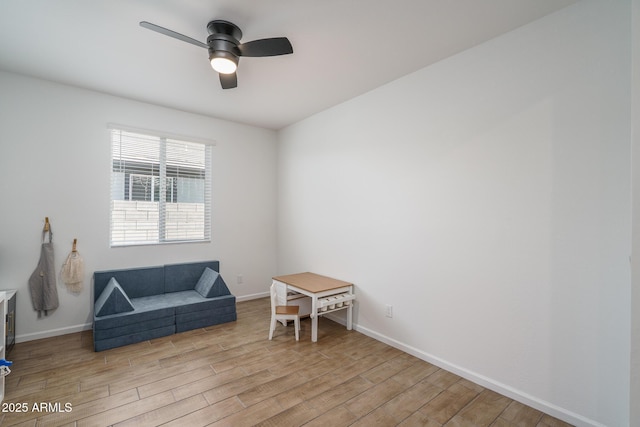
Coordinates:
[287,309]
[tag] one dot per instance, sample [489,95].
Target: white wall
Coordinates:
[487,198]
[55,162]
[635,261]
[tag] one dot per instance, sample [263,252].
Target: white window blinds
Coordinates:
[160,189]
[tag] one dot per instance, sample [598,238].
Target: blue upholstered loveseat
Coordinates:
[140,304]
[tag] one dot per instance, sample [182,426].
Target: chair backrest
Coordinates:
[274,299]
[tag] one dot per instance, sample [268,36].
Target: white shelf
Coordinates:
[335,302]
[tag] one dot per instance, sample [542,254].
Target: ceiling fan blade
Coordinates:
[170,33]
[228,81]
[266,47]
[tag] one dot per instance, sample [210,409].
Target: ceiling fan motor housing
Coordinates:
[223,42]
[219,26]
[224,36]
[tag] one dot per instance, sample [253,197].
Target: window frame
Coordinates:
[207,187]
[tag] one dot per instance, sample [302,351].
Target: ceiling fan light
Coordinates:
[223,62]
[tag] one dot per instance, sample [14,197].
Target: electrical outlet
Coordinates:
[239,279]
[388,310]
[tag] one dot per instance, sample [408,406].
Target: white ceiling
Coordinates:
[342,48]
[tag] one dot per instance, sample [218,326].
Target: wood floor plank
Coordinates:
[251,415]
[209,414]
[549,421]
[377,418]
[13,392]
[270,388]
[322,366]
[418,419]
[89,409]
[209,355]
[339,395]
[305,366]
[411,400]
[415,373]
[482,411]
[374,397]
[180,378]
[207,383]
[443,379]
[233,375]
[237,386]
[336,417]
[447,404]
[125,378]
[271,360]
[385,370]
[166,413]
[127,411]
[295,416]
[521,415]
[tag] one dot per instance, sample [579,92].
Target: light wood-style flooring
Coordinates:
[232,375]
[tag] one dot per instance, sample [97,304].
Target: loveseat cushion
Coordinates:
[203,319]
[112,300]
[133,327]
[119,341]
[211,284]
[195,311]
[135,317]
[183,277]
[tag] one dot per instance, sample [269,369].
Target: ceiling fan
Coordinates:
[225,48]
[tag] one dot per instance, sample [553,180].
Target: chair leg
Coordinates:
[296,325]
[272,327]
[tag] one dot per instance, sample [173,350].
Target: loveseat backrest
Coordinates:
[183,277]
[136,282]
[147,281]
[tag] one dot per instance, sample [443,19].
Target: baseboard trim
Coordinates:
[53,332]
[532,401]
[252,296]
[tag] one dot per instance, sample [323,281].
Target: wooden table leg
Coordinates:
[350,311]
[314,319]
[314,328]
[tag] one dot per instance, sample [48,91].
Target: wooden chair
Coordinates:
[283,312]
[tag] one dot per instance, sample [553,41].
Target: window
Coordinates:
[160,189]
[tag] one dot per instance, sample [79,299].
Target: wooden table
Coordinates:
[327,295]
